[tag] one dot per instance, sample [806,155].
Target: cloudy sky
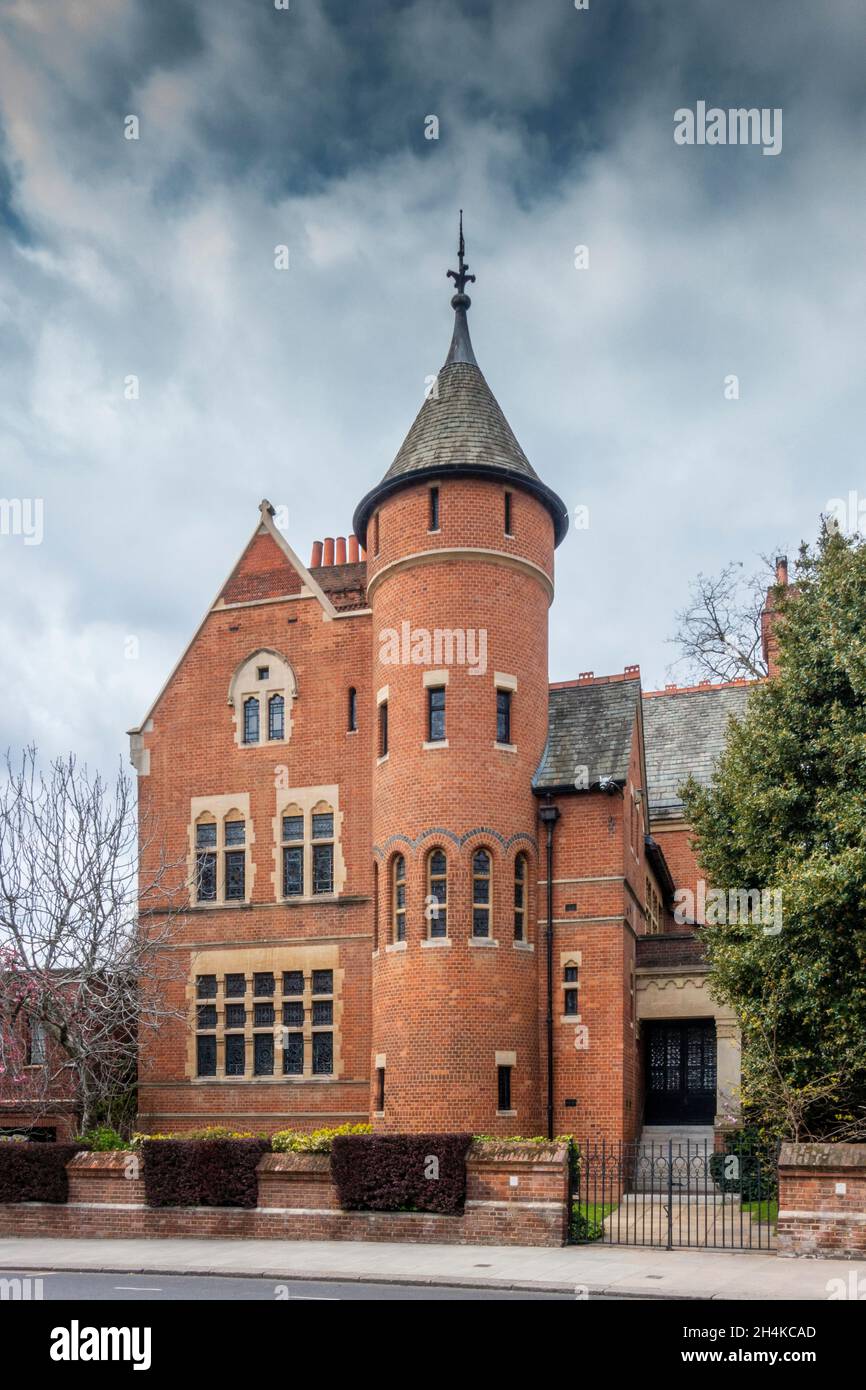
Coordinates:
[305,127]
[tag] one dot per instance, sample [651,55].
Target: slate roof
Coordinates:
[460,429]
[684,732]
[589,724]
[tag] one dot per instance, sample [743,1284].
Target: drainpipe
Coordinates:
[549,815]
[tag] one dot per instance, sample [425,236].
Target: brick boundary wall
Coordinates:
[298,1201]
[814,1218]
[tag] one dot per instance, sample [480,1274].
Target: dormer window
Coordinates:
[251,720]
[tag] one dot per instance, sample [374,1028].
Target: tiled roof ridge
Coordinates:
[631,673]
[704,686]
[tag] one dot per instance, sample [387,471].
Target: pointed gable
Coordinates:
[263,571]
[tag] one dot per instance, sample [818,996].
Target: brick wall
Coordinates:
[814,1217]
[297,1201]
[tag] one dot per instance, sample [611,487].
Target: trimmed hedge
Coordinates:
[32,1172]
[202,1172]
[395,1172]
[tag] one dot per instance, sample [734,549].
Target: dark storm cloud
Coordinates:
[306,128]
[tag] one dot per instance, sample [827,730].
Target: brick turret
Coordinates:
[460,536]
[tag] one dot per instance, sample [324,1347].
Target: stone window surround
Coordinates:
[219,808]
[245,685]
[502,871]
[274,960]
[506,1059]
[306,800]
[569,958]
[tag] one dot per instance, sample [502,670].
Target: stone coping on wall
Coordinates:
[831,1156]
[822,1200]
[516,1194]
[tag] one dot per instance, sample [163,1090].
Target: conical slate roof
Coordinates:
[460,431]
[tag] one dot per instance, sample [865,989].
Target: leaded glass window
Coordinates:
[323,825]
[263,1054]
[323,1013]
[323,868]
[263,1015]
[236,860]
[263,983]
[236,1016]
[206,1054]
[206,877]
[398,897]
[481,892]
[251,720]
[323,982]
[437,893]
[236,986]
[503,716]
[293,871]
[293,1014]
[207,1016]
[293,982]
[436,714]
[206,986]
[323,1053]
[520,898]
[235,832]
[235,1054]
[276,717]
[206,835]
[293,1054]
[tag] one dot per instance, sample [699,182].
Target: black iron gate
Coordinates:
[680,1192]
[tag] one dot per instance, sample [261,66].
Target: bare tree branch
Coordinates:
[719,630]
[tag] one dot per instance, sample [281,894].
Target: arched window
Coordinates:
[276,717]
[482,892]
[251,720]
[437,893]
[520,898]
[398,897]
[353,709]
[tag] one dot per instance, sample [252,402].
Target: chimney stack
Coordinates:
[353,550]
[316,557]
[340,554]
[782,569]
[328,556]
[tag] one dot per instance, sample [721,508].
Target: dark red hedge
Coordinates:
[35,1172]
[389,1172]
[202,1172]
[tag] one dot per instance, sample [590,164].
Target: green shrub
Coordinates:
[318,1141]
[103,1139]
[208,1132]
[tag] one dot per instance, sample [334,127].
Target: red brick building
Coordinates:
[426,886]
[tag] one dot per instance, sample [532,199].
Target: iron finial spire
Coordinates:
[461,277]
[461,344]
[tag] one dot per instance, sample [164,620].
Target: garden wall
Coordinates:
[822,1200]
[516,1194]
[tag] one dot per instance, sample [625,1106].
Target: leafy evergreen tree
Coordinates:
[786,810]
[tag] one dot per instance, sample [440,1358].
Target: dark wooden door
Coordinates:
[681,1072]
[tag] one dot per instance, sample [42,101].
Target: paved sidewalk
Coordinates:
[626,1272]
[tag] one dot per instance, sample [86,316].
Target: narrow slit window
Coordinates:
[434,509]
[383,728]
[503,1088]
[503,716]
[353,709]
[380,1089]
[508,515]
[436,714]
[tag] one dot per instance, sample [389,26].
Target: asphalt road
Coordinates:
[144,1288]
